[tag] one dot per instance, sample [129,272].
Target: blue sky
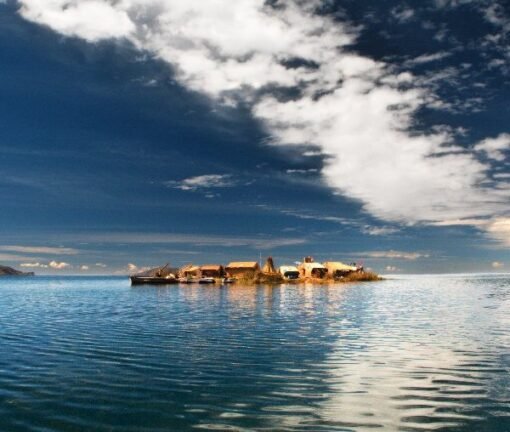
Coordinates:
[144,132]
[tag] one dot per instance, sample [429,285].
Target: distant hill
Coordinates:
[9,271]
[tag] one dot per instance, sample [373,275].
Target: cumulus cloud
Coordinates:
[34,265]
[499,229]
[59,265]
[356,111]
[84,267]
[495,148]
[207,181]
[89,19]
[52,264]
[392,269]
[497,265]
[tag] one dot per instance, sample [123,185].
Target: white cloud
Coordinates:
[89,19]
[59,265]
[101,265]
[351,108]
[40,250]
[206,181]
[409,256]
[427,58]
[255,242]
[403,14]
[378,230]
[392,269]
[132,267]
[497,265]
[499,229]
[52,264]
[34,265]
[495,148]
[302,171]
[84,267]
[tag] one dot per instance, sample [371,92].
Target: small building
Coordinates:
[289,272]
[337,269]
[312,270]
[190,271]
[269,266]
[242,269]
[212,270]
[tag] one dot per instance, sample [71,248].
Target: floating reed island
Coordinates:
[250,273]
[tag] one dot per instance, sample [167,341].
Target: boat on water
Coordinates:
[207,280]
[156,276]
[187,280]
[228,280]
[151,280]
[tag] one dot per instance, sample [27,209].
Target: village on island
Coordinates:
[251,272]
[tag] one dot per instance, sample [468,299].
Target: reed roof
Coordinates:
[211,267]
[243,264]
[190,267]
[284,269]
[339,266]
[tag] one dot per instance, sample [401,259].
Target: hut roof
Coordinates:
[312,265]
[211,267]
[269,266]
[190,267]
[337,265]
[243,264]
[284,269]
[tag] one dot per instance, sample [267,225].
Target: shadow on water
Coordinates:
[414,354]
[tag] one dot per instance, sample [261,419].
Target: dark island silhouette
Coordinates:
[9,271]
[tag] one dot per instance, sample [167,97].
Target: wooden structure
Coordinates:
[190,271]
[242,269]
[312,270]
[269,266]
[289,272]
[337,269]
[212,271]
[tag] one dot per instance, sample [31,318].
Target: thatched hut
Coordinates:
[312,270]
[289,272]
[212,270]
[337,269]
[269,266]
[190,271]
[244,269]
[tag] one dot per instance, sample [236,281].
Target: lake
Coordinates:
[414,353]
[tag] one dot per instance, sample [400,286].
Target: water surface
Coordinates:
[411,354]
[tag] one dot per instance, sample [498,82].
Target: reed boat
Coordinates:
[156,276]
[153,280]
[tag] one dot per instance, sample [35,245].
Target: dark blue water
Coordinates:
[418,353]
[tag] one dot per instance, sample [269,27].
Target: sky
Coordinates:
[139,132]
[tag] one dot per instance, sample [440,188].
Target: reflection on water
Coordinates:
[413,354]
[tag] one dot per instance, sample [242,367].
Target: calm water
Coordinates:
[413,354]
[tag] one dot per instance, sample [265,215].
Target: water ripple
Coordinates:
[413,354]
